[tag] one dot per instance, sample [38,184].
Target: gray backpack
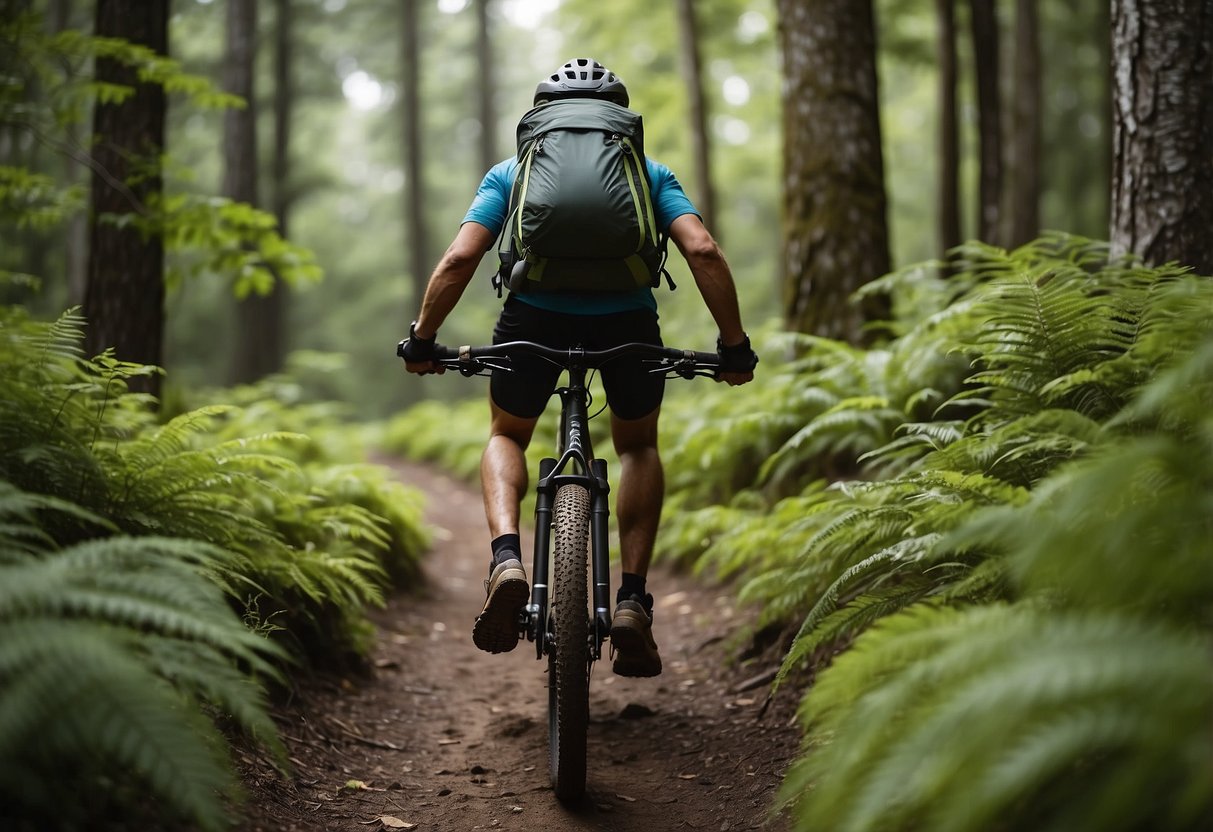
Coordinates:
[580,215]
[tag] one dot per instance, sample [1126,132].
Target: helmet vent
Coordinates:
[582,78]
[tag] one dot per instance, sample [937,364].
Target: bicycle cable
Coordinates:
[589,397]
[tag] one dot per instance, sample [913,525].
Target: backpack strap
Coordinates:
[662,271]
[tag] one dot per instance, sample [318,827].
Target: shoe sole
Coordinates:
[496,629]
[634,656]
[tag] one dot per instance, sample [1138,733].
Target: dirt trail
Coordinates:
[448,738]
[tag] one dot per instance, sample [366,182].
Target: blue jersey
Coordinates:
[669,203]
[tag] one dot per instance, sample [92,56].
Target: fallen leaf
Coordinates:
[448,742]
[396,823]
[625,797]
[355,784]
[687,776]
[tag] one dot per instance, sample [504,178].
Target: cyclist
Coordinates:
[592,321]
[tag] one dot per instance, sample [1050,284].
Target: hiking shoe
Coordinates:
[632,642]
[496,629]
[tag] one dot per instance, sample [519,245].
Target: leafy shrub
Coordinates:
[151,574]
[314,541]
[1085,705]
[119,658]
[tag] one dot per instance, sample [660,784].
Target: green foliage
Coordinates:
[1023,567]
[47,95]
[35,201]
[155,576]
[1064,710]
[213,235]
[312,541]
[1058,338]
[118,659]
[1010,717]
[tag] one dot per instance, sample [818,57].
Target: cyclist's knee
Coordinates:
[515,428]
[635,435]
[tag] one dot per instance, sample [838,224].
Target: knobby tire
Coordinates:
[569,660]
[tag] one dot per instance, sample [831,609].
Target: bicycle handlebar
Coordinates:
[476,360]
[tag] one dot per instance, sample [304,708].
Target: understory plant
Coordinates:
[1086,701]
[156,576]
[1001,518]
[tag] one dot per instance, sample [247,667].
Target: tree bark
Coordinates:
[836,232]
[124,299]
[701,151]
[1162,181]
[275,304]
[76,232]
[984,24]
[487,89]
[414,190]
[948,233]
[1024,180]
[258,337]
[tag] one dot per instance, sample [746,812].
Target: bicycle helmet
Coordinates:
[582,78]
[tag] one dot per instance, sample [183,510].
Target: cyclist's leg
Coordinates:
[503,473]
[516,401]
[635,396]
[641,489]
[638,508]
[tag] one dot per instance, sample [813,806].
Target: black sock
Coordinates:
[505,547]
[631,584]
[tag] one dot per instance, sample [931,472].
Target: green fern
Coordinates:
[1009,717]
[117,655]
[1087,705]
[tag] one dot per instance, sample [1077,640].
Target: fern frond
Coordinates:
[921,733]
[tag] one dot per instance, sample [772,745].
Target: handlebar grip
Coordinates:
[707,358]
[441,353]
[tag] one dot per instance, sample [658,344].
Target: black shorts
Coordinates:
[631,391]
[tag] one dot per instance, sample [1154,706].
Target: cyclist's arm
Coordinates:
[712,275]
[451,276]
[714,281]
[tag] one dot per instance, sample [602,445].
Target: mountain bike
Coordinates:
[569,623]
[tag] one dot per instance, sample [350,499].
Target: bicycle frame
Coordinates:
[573,465]
[576,465]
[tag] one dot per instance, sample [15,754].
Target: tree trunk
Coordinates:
[76,233]
[948,233]
[487,89]
[1103,27]
[1024,179]
[414,188]
[836,233]
[985,56]
[124,299]
[1162,181]
[700,139]
[259,333]
[280,167]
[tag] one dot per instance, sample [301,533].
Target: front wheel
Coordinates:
[569,658]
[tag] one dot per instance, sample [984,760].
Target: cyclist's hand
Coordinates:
[418,354]
[734,379]
[737,362]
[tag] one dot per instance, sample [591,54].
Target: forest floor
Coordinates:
[439,736]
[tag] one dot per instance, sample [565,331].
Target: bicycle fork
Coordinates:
[551,480]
